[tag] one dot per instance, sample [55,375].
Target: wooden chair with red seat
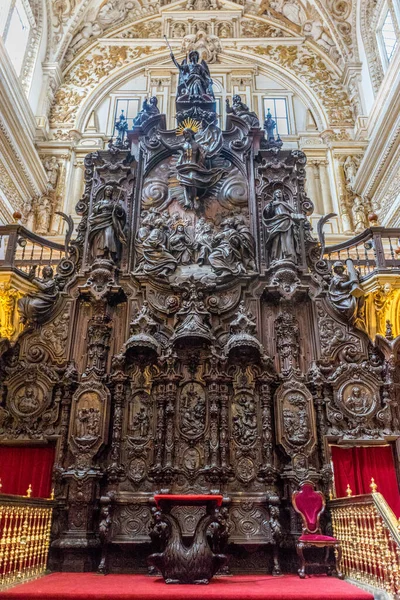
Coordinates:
[310,504]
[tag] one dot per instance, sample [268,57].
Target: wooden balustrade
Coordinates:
[20,249]
[25,525]
[369,534]
[374,250]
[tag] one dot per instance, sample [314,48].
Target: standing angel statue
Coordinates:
[195,81]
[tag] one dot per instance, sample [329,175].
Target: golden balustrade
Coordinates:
[25,525]
[369,534]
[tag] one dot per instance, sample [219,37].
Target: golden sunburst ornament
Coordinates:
[189,124]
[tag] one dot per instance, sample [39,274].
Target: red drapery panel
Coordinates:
[20,467]
[356,466]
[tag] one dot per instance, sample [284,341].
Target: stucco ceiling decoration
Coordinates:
[78,23]
[103,45]
[311,69]
[86,74]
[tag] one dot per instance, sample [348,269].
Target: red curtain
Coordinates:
[355,466]
[21,466]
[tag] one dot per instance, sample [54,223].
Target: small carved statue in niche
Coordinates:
[52,169]
[149,109]
[350,168]
[224,30]
[179,30]
[107,227]
[140,424]
[239,109]
[245,421]
[359,215]
[195,82]
[344,293]
[36,307]
[43,214]
[281,237]
[88,423]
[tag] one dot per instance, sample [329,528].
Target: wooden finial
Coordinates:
[349,491]
[29,491]
[373,486]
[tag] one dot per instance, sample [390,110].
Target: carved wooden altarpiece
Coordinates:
[198,346]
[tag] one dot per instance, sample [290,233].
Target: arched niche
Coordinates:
[263,77]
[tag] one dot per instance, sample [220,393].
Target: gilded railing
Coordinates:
[369,534]
[24,537]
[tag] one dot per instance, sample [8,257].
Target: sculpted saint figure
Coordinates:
[149,109]
[204,237]
[157,260]
[107,224]
[194,78]
[192,170]
[359,215]
[181,245]
[226,258]
[35,307]
[241,110]
[344,292]
[281,237]
[44,209]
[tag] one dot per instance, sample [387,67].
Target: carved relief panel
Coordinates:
[357,409]
[245,427]
[89,420]
[295,419]
[30,409]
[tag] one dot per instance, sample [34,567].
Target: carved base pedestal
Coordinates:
[180,563]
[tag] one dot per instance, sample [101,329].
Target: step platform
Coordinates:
[90,586]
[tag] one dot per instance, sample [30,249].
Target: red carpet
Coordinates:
[89,586]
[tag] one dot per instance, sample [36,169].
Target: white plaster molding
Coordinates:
[383,132]
[17,131]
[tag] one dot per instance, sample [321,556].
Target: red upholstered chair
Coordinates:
[310,504]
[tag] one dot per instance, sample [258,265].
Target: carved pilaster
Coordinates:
[160,427]
[224,427]
[214,438]
[267,466]
[170,393]
[119,391]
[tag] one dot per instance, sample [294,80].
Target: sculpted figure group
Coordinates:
[163,242]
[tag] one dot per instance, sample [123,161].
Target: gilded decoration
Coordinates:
[87,73]
[304,62]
